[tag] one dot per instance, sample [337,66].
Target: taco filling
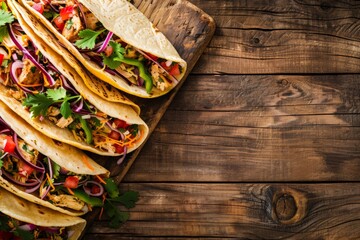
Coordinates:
[100,46]
[39,86]
[11,228]
[36,174]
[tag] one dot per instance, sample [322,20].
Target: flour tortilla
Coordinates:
[28,212]
[92,83]
[130,25]
[112,109]
[64,155]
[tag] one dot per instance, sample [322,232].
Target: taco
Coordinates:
[47,172]
[21,219]
[114,41]
[49,94]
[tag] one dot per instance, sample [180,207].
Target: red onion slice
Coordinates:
[106,42]
[88,189]
[32,59]
[40,169]
[27,227]
[8,176]
[114,129]
[120,160]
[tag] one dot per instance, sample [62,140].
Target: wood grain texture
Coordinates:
[270,156]
[281,36]
[257,128]
[242,211]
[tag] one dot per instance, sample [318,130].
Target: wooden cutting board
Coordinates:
[190,30]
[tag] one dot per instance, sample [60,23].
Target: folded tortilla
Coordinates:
[27,213]
[96,130]
[69,159]
[149,65]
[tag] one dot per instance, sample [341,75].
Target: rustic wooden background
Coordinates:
[263,139]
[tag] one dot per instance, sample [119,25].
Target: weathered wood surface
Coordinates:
[246,211]
[257,128]
[282,36]
[221,161]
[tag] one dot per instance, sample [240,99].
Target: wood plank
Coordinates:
[194,31]
[257,128]
[307,36]
[246,211]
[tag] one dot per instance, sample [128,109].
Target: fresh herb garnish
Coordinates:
[69,24]
[39,103]
[127,199]
[118,52]
[5,17]
[88,38]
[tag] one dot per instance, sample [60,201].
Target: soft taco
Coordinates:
[49,94]
[114,41]
[21,219]
[46,172]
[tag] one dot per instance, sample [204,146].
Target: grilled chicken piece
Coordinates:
[71,31]
[53,111]
[64,122]
[30,75]
[91,20]
[67,201]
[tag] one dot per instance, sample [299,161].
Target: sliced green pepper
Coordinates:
[142,71]
[86,129]
[93,201]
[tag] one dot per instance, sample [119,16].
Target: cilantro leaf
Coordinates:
[111,188]
[65,109]
[128,199]
[38,104]
[5,17]
[118,52]
[116,216]
[3,33]
[88,38]
[24,235]
[56,169]
[4,6]
[56,94]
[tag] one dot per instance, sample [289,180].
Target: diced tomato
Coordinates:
[1,58]
[9,145]
[175,70]
[118,148]
[108,51]
[67,12]
[163,64]
[27,168]
[60,24]
[39,7]
[114,135]
[120,123]
[71,182]
[153,57]
[36,1]
[95,189]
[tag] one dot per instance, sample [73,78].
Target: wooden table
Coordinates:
[263,139]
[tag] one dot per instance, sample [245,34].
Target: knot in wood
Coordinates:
[285,207]
[255,41]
